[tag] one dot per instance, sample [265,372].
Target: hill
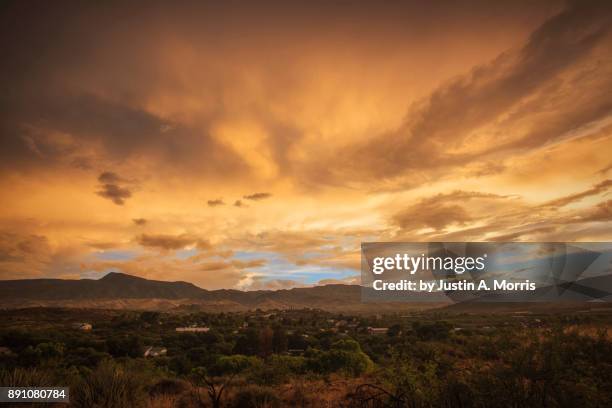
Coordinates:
[121,291]
[112,286]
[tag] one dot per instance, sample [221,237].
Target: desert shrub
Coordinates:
[314,393]
[125,346]
[85,356]
[168,386]
[180,365]
[256,397]
[165,401]
[109,386]
[25,377]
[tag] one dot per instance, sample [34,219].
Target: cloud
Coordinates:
[514,236]
[330,249]
[349,280]
[86,127]
[166,242]
[236,264]
[262,283]
[115,193]
[606,169]
[170,242]
[602,212]
[476,117]
[204,270]
[495,138]
[441,211]
[108,177]
[24,255]
[110,188]
[504,218]
[16,248]
[252,263]
[215,203]
[104,245]
[203,245]
[438,217]
[595,190]
[286,242]
[139,221]
[257,196]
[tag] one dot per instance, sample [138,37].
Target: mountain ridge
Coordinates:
[123,289]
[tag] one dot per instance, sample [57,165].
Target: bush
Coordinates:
[168,386]
[25,377]
[345,356]
[109,385]
[277,369]
[256,397]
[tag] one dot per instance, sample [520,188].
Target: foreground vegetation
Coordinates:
[311,358]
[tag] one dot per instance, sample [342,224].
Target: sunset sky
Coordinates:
[255,146]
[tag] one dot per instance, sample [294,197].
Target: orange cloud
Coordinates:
[335,125]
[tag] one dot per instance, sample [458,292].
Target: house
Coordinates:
[193,329]
[82,326]
[155,351]
[378,330]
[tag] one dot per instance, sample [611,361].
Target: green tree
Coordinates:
[279,340]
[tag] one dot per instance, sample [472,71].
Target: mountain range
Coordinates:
[126,292]
[117,290]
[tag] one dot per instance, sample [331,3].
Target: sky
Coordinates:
[255,146]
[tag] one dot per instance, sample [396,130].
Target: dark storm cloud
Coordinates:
[51,86]
[446,118]
[96,85]
[121,131]
[257,196]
